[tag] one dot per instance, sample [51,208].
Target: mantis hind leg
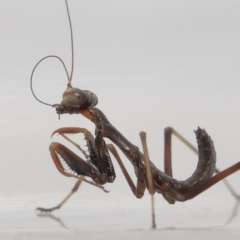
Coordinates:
[203,186]
[168,132]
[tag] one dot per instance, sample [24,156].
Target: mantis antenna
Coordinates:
[69,77]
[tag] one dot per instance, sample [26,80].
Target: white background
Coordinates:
[152,64]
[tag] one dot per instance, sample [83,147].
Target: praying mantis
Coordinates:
[99,166]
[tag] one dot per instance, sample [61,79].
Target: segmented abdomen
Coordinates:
[207,159]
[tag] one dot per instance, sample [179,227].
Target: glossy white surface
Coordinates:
[118,217]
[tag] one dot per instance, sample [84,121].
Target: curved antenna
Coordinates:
[53,56]
[69,77]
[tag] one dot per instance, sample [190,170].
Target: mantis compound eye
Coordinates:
[77,98]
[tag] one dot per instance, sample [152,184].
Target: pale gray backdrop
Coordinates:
[152,64]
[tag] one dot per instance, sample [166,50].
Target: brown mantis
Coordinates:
[98,164]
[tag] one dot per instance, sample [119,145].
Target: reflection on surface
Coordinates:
[53,217]
[212,211]
[233,215]
[121,215]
